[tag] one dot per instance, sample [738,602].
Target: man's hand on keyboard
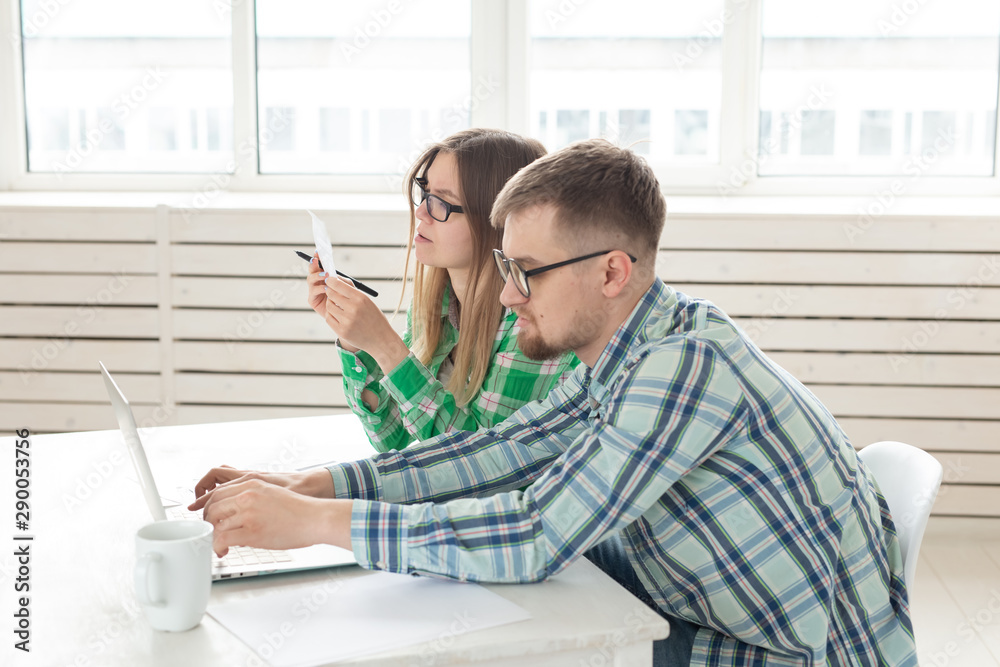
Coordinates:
[317,483]
[254,513]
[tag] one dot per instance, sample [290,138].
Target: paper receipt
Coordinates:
[323,246]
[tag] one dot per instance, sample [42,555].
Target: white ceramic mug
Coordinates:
[173,572]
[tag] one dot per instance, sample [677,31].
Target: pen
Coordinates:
[357,283]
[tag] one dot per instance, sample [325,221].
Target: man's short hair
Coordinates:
[600,191]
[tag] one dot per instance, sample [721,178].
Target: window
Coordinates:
[335,129]
[572,125]
[48,130]
[818,127]
[633,129]
[762,97]
[162,130]
[129,82]
[879,87]
[215,137]
[594,60]
[690,132]
[278,130]
[398,73]
[875,133]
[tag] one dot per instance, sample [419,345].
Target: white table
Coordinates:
[86,507]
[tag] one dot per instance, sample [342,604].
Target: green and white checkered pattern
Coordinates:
[414,405]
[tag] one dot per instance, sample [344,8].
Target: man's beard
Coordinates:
[538,349]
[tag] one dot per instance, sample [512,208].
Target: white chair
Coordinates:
[909,479]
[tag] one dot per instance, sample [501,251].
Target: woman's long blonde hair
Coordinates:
[486,159]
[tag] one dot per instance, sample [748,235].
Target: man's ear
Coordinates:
[618,268]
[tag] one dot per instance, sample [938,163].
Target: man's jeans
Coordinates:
[675,650]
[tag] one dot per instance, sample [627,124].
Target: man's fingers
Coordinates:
[237,537]
[200,502]
[212,479]
[203,500]
[227,522]
[223,512]
[227,492]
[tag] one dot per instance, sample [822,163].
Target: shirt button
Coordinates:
[358,369]
[380,565]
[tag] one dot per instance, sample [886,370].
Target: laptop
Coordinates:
[240,561]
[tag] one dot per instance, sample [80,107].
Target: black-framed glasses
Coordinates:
[511,268]
[437,208]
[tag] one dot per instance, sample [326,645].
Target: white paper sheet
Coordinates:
[323,246]
[316,623]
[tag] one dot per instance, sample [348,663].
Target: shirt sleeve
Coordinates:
[662,421]
[384,425]
[464,463]
[428,409]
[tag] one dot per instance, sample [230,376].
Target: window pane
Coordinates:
[162,129]
[572,125]
[335,129]
[279,128]
[597,71]
[817,132]
[866,87]
[633,129]
[875,133]
[112,85]
[690,132]
[362,87]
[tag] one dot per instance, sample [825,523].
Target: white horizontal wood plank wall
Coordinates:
[77,286]
[246,344]
[895,324]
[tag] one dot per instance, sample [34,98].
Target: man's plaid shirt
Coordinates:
[742,504]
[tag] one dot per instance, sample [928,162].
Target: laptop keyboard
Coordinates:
[237,556]
[251,556]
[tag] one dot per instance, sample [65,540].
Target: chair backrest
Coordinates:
[909,479]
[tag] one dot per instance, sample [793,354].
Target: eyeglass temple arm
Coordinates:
[535,272]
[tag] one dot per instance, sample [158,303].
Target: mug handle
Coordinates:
[142,568]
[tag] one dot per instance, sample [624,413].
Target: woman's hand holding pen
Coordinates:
[360,324]
[354,317]
[316,280]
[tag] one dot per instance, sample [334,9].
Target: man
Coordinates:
[736,501]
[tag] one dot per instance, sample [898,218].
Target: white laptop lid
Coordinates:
[316,556]
[126,421]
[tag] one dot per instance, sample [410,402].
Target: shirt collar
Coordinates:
[659,304]
[449,306]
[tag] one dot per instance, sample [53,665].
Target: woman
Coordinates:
[457,367]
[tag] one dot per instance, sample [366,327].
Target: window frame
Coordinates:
[499,46]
